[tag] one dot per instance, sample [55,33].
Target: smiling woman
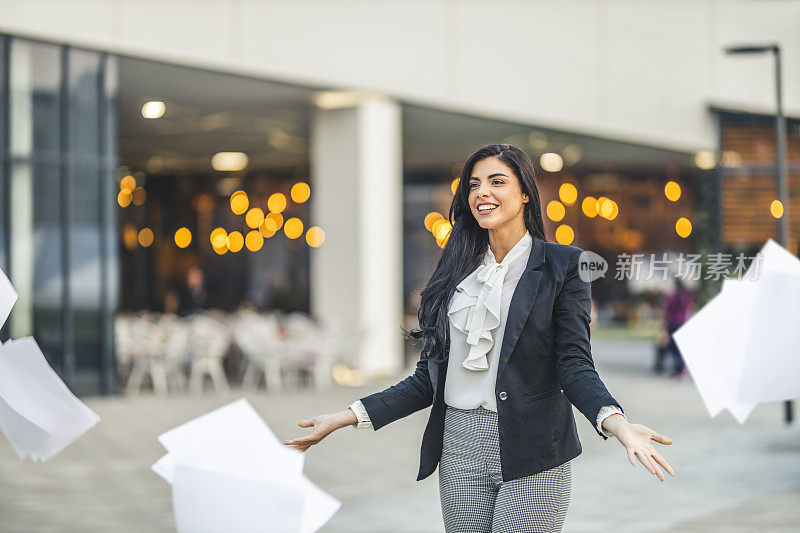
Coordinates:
[504,324]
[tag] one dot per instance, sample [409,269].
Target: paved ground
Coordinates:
[729,477]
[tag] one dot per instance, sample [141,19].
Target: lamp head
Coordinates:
[751,49]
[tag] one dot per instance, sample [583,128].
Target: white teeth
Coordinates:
[486,207]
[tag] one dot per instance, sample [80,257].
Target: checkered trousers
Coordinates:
[474,496]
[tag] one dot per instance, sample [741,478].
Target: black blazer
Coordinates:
[545,368]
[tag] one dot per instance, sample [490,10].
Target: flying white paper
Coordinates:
[229,472]
[39,415]
[741,347]
[8,296]
[771,367]
[712,345]
[235,420]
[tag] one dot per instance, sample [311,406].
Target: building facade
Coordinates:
[375,106]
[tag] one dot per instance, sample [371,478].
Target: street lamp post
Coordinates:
[780,155]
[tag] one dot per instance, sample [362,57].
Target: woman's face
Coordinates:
[493,182]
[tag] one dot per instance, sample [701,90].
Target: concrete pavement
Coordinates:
[729,477]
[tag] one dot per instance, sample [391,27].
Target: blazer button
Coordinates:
[502,395]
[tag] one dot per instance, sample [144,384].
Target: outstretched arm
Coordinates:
[571,335]
[398,401]
[580,381]
[410,395]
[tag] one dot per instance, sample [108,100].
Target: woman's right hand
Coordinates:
[323,425]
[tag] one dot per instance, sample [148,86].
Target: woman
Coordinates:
[504,322]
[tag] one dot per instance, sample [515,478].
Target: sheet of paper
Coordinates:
[165,467]
[773,258]
[24,437]
[40,415]
[319,507]
[696,339]
[228,474]
[233,485]
[253,477]
[30,387]
[740,347]
[771,369]
[8,296]
[275,459]
[237,420]
[735,319]
[712,345]
[212,502]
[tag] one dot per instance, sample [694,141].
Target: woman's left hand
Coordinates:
[637,441]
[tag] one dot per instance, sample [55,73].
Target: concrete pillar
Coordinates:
[356,176]
[22,234]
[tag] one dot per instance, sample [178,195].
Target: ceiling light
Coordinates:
[154,109]
[229,161]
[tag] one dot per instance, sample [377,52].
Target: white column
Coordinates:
[357,179]
[21,227]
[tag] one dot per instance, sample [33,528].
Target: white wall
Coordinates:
[639,70]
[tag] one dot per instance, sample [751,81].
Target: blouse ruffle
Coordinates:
[475,307]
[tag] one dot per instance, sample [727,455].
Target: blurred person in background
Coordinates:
[677,308]
[662,340]
[502,429]
[171,303]
[192,296]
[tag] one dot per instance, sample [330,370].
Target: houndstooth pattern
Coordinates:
[473,495]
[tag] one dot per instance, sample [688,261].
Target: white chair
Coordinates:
[147,359]
[257,337]
[209,340]
[174,333]
[312,348]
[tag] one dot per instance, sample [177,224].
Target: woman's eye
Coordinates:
[494,182]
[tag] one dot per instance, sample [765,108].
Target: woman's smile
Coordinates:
[486,208]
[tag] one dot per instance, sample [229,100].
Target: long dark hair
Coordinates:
[467,245]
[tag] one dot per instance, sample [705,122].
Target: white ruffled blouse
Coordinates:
[477,316]
[478,306]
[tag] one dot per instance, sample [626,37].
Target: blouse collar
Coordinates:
[517,250]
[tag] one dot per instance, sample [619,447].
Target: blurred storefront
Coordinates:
[122,177]
[748,183]
[214,136]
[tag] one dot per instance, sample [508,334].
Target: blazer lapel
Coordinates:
[522,302]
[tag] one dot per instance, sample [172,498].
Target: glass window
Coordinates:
[57,216]
[35,188]
[4,165]
[84,239]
